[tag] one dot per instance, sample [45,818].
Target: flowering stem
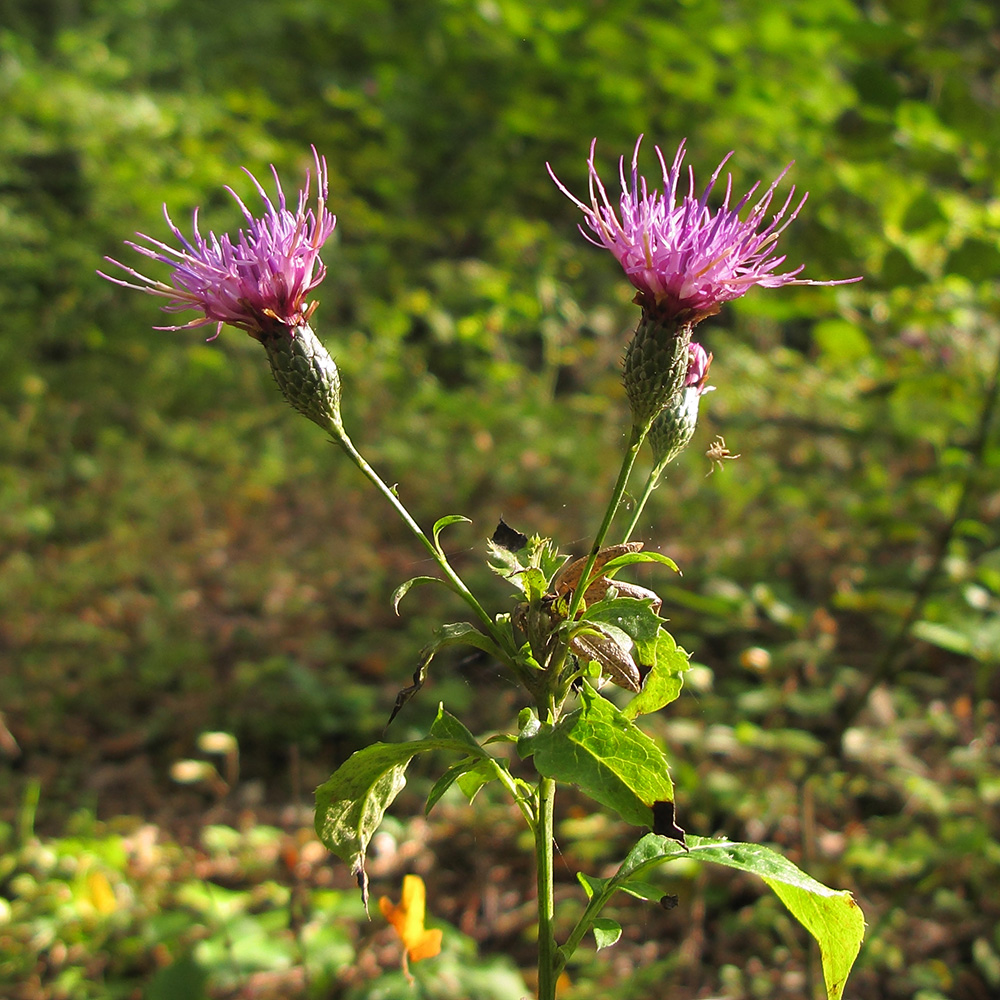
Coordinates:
[636,438]
[458,585]
[651,483]
[547,954]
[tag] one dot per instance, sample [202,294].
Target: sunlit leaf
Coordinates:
[401,591]
[606,932]
[664,681]
[606,755]
[832,916]
[350,804]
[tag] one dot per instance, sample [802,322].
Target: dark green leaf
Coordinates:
[606,755]
[447,780]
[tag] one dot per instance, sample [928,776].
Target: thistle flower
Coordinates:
[685,259]
[258,282]
[261,278]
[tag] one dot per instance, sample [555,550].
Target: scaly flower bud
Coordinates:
[655,366]
[306,374]
[674,426]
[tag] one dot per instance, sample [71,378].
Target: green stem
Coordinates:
[637,436]
[547,953]
[340,436]
[586,921]
[651,482]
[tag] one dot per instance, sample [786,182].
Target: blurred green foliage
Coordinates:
[178,552]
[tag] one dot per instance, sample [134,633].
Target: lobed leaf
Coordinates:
[665,679]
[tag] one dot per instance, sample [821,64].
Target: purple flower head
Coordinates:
[685,259]
[257,282]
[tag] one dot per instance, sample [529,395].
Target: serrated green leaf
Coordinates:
[831,916]
[400,592]
[604,754]
[606,932]
[503,562]
[664,681]
[533,583]
[441,523]
[350,804]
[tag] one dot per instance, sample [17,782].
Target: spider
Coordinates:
[717,451]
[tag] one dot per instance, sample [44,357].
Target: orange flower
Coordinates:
[408,919]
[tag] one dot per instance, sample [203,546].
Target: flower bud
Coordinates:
[306,374]
[674,426]
[655,365]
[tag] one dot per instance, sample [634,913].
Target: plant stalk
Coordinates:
[341,437]
[636,437]
[547,955]
[651,483]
